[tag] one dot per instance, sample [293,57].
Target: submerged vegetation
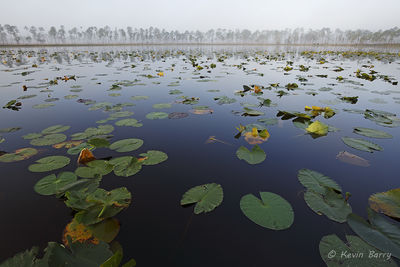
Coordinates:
[259,116]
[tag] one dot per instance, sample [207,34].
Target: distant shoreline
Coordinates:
[198,44]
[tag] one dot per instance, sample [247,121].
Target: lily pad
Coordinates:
[99,142]
[126,145]
[177,115]
[53,184]
[316,181]
[271,211]
[371,133]
[50,139]
[162,105]
[77,149]
[153,157]
[18,155]
[379,233]
[126,166]
[221,100]
[355,252]
[387,202]
[55,129]
[94,168]
[42,106]
[139,97]
[49,164]
[156,115]
[254,156]
[207,197]
[361,144]
[129,122]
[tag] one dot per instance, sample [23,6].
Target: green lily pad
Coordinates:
[71,96]
[329,203]
[94,168]
[77,149]
[98,142]
[93,132]
[104,205]
[269,121]
[361,144]
[106,230]
[207,197]
[175,92]
[42,106]
[10,130]
[371,133]
[126,145]
[222,100]
[251,112]
[255,156]
[139,97]
[126,166]
[26,96]
[156,115]
[52,184]
[316,181]
[32,136]
[271,211]
[55,129]
[379,233]
[49,164]
[129,122]
[154,157]
[18,155]
[162,105]
[47,140]
[355,252]
[387,202]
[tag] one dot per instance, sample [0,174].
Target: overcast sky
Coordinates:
[204,14]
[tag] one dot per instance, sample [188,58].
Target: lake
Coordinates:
[246,118]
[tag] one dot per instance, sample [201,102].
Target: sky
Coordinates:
[204,14]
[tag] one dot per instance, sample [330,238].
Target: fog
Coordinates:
[205,14]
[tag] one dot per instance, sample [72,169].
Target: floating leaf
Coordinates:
[94,168]
[379,233]
[42,106]
[355,252]
[271,211]
[77,149]
[52,184]
[126,166]
[255,156]
[207,197]
[99,142]
[32,136]
[221,100]
[162,105]
[55,129]
[361,144]
[387,202]
[317,128]
[156,115]
[350,158]
[139,97]
[10,130]
[47,140]
[18,155]
[153,157]
[316,181]
[177,115]
[49,164]
[129,122]
[126,145]
[371,133]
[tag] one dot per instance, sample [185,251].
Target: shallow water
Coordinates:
[155,229]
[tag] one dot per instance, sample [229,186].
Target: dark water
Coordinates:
[155,229]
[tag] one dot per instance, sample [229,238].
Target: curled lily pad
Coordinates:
[49,164]
[271,211]
[126,145]
[55,129]
[156,115]
[53,184]
[361,144]
[47,140]
[254,156]
[207,197]
[18,155]
[387,202]
[153,157]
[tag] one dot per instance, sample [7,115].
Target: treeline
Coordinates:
[106,35]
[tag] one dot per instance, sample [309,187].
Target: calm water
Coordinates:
[155,229]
